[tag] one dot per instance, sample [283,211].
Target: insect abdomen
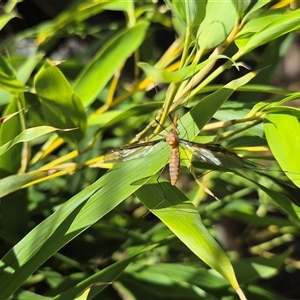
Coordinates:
[174,164]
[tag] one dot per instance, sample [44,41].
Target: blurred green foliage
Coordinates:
[102,74]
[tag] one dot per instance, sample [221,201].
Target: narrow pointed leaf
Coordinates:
[75,216]
[110,58]
[181,216]
[26,136]
[14,182]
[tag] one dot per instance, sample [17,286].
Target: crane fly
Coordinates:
[207,153]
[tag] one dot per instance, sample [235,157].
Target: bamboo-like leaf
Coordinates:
[162,75]
[97,200]
[254,6]
[191,13]
[95,76]
[283,136]
[61,106]
[26,136]
[195,12]
[184,220]
[22,73]
[14,182]
[8,131]
[217,25]
[11,84]
[8,81]
[75,216]
[285,24]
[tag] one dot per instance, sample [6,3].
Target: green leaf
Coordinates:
[186,281]
[107,61]
[191,123]
[282,200]
[285,24]
[8,81]
[250,269]
[162,75]
[181,216]
[283,136]
[190,13]
[112,118]
[5,18]
[194,273]
[75,216]
[254,6]
[165,76]
[26,136]
[259,23]
[11,161]
[178,10]
[23,72]
[77,12]
[195,12]
[62,108]
[106,276]
[209,105]
[14,216]
[13,183]
[217,25]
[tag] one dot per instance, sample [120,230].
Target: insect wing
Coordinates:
[130,152]
[214,155]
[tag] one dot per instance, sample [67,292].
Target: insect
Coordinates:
[211,154]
